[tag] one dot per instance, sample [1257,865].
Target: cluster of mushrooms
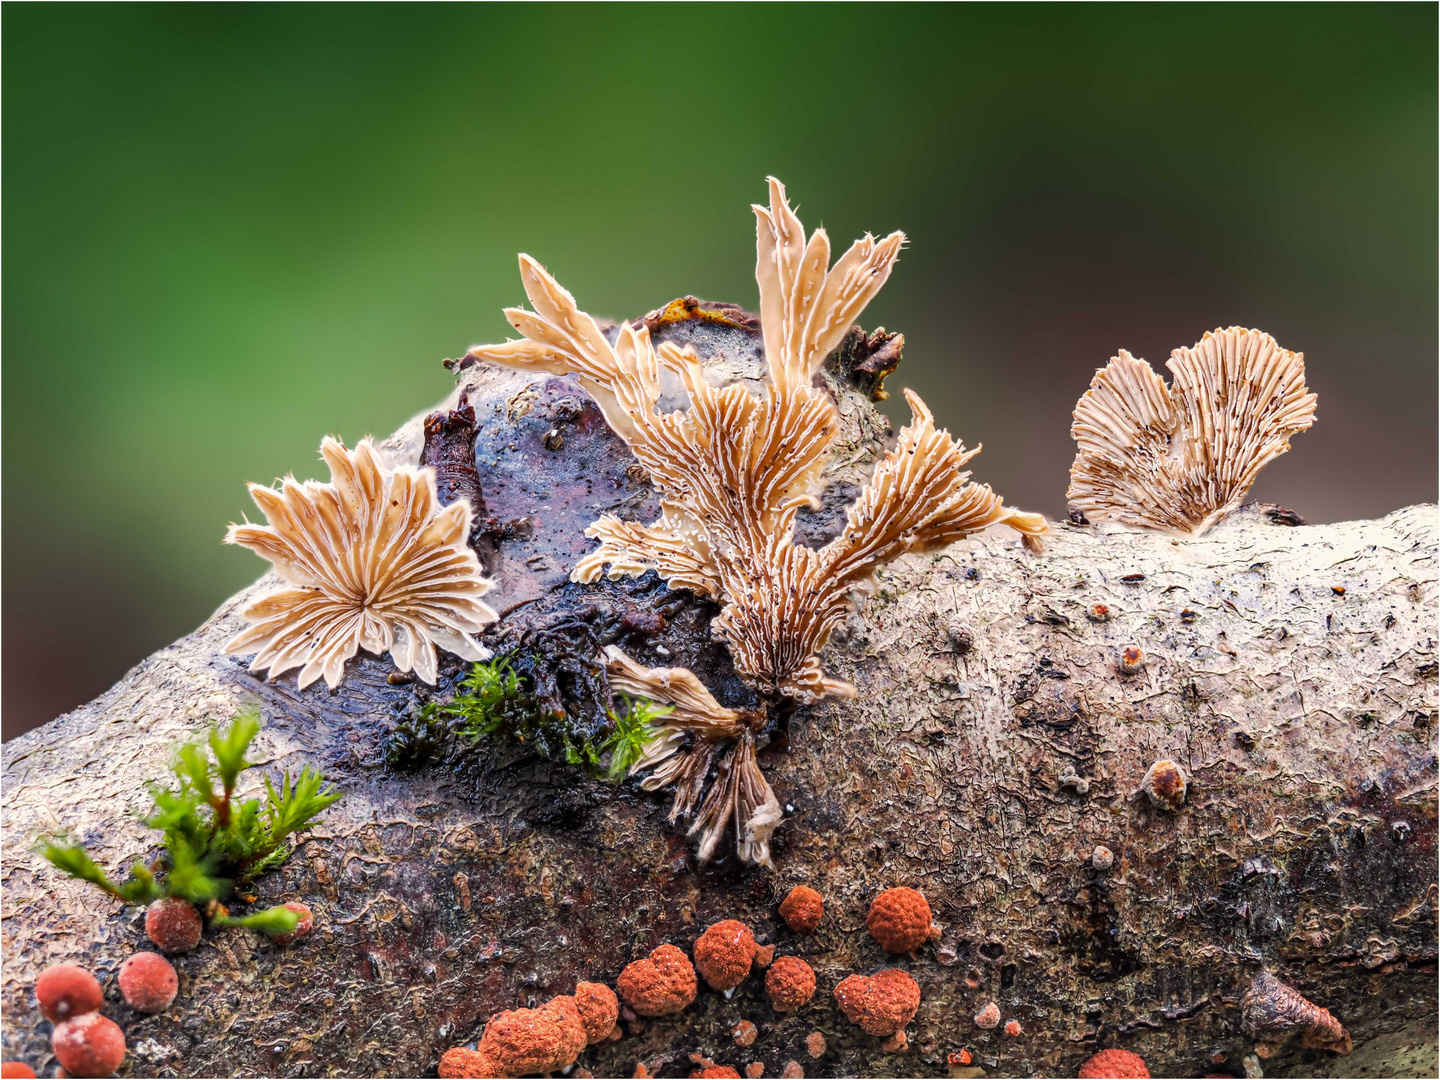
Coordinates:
[373,560]
[666,982]
[88,1043]
[550,1037]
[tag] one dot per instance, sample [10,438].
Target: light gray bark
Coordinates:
[1304,716]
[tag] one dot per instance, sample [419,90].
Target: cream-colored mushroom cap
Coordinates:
[733,470]
[373,562]
[1180,458]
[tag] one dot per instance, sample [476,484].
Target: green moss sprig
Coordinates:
[635,728]
[494,701]
[214,844]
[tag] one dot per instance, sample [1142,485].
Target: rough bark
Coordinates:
[1291,671]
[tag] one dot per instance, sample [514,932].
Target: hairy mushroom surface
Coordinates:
[1180,458]
[372,561]
[733,470]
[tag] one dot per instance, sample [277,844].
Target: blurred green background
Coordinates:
[230,230]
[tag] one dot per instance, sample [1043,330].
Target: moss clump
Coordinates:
[422,732]
[495,701]
[214,844]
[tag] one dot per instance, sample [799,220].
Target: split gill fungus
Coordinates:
[733,470]
[370,561]
[1181,458]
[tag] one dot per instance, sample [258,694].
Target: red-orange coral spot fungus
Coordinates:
[725,953]
[148,982]
[1114,1064]
[89,1045]
[173,924]
[660,985]
[802,909]
[304,922]
[880,1004]
[462,1063]
[789,983]
[599,1010]
[66,990]
[523,1041]
[899,920]
[711,1071]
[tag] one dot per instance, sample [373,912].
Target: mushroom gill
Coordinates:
[1179,459]
[371,561]
[733,470]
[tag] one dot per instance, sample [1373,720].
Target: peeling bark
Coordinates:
[449,449]
[995,745]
